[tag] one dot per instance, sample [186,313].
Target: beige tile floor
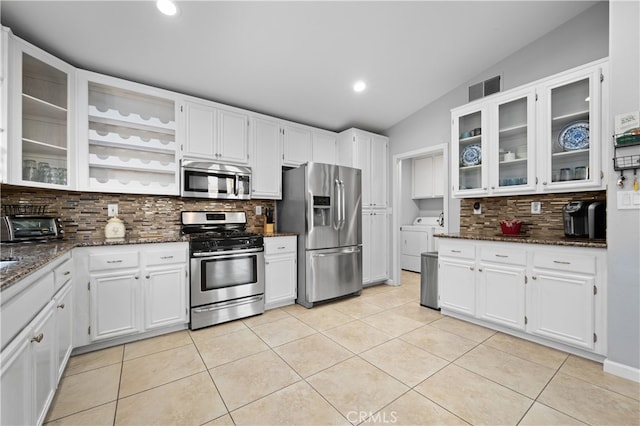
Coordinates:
[379,358]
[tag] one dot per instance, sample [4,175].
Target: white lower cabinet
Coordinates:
[28,379]
[563,301]
[132,289]
[458,266]
[165,297]
[555,293]
[36,343]
[374,246]
[281,271]
[64,327]
[114,304]
[501,294]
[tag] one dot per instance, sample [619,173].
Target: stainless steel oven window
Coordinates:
[228,272]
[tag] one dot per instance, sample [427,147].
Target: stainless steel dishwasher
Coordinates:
[429,280]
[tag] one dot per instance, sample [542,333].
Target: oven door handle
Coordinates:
[229,304]
[228,253]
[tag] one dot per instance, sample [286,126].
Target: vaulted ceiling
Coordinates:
[294,60]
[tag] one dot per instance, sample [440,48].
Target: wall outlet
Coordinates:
[112,210]
[477,208]
[258,210]
[536,207]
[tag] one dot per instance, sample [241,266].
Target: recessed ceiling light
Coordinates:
[168,7]
[359,86]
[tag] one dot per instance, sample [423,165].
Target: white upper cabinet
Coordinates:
[469,151]
[40,125]
[368,152]
[4,102]
[266,158]
[296,145]
[546,136]
[571,130]
[215,133]
[324,147]
[127,137]
[427,177]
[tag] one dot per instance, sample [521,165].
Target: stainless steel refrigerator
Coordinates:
[322,204]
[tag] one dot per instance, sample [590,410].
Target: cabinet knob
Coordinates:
[493,187]
[61,306]
[533,277]
[266,263]
[136,277]
[38,338]
[544,183]
[471,267]
[67,273]
[148,276]
[479,269]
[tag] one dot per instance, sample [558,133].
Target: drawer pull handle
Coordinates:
[456,251]
[281,248]
[37,338]
[561,262]
[166,257]
[61,306]
[114,261]
[501,255]
[67,273]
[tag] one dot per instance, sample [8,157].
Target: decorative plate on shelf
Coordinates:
[574,136]
[471,155]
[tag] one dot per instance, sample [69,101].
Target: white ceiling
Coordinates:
[293,60]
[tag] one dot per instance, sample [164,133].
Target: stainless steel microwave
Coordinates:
[203,179]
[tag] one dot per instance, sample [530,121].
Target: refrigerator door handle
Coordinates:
[337,210]
[343,204]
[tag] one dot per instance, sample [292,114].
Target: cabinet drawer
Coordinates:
[279,245]
[503,255]
[127,259]
[19,311]
[455,250]
[162,257]
[581,263]
[63,274]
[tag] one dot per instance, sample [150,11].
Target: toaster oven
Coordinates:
[30,228]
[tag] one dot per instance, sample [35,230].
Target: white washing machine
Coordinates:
[418,238]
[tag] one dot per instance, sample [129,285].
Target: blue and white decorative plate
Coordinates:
[471,155]
[574,136]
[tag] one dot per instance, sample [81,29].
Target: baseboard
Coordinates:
[621,370]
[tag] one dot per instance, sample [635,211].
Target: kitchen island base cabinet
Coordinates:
[132,290]
[281,271]
[550,294]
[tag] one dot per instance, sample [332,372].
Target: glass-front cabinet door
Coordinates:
[469,151]
[571,131]
[513,148]
[41,105]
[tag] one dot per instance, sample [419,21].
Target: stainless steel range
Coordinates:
[227,267]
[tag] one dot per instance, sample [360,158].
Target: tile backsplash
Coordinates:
[494,209]
[84,214]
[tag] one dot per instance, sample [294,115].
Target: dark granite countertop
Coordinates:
[280,234]
[554,241]
[32,256]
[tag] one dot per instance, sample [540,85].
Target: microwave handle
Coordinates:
[236,185]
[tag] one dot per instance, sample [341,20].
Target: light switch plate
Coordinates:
[258,210]
[112,210]
[628,200]
[536,207]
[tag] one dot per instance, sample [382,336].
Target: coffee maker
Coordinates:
[584,219]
